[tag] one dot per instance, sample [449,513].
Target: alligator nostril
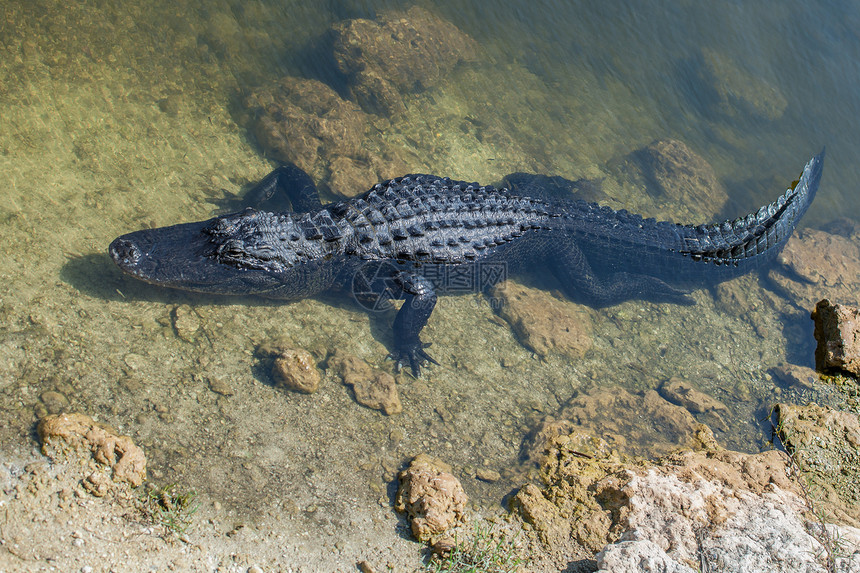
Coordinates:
[124,252]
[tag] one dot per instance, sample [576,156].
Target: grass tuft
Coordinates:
[169,507]
[488,552]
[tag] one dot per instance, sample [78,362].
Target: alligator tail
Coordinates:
[758,236]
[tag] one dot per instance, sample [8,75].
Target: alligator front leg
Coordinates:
[285,182]
[583,284]
[419,301]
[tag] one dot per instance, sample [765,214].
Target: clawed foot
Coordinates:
[413,355]
[679,297]
[659,291]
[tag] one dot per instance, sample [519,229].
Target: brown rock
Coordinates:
[542,514]
[346,171]
[544,323]
[55,402]
[186,322]
[567,511]
[752,472]
[372,387]
[400,52]
[591,496]
[676,175]
[837,331]
[295,369]
[307,123]
[97,483]
[793,375]
[815,264]
[298,119]
[635,423]
[682,393]
[741,297]
[842,226]
[433,499]
[220,387]
[488,475]
[65,434]
[376,94]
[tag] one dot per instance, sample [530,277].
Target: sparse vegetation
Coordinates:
[169,507]
[781,441]
[488,552]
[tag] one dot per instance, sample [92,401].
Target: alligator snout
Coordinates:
[125,253]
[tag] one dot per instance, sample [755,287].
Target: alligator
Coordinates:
[397,239]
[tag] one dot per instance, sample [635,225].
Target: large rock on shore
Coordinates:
[837,331]
[727,510]
[432,498]
[825,444]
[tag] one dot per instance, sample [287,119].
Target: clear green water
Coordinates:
[118,116]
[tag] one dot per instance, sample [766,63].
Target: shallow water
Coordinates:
[113,118]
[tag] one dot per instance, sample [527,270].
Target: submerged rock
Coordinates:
[684,394]
[531,185]
[54,402]
[292,368]
[815,264]
[186,322]
[736,92]
[302,121]
[677,175]
[295,369]
[543,322]
[307,123]
[842,226]
[837,331]
[372,387]
[431,496]
[641,423]
[801,377]
[400,52]
[69,436]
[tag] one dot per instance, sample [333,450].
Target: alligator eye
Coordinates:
[232,248]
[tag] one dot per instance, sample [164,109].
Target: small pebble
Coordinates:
[220,387]
[484,474]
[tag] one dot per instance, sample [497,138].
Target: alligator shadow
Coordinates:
[97,276]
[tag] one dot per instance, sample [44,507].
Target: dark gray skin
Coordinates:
[398,238]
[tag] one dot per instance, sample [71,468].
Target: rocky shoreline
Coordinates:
[585,440]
